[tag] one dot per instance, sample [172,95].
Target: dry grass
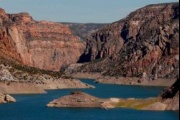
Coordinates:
[138,104]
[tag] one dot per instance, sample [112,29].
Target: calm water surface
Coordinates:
[32,107]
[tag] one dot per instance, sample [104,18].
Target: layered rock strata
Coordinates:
[146,43]
[39,44]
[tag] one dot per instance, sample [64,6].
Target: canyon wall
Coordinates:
[146,42]
[39,44]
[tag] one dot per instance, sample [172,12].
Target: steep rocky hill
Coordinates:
[145,43]
[39,44]
[83,30]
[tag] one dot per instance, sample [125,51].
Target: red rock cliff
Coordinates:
[147,41]
[39,44]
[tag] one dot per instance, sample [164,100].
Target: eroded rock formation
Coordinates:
[5,75]
[146,42]
[171,96]
[6,98]
[40,44]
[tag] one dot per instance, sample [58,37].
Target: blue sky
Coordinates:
[82,11]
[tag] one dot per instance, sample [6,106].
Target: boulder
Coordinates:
[9,98]
[6,98]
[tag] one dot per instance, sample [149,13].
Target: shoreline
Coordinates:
[83,100]
[160,82]
[40,86]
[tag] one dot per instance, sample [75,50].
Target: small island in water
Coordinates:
[169,100]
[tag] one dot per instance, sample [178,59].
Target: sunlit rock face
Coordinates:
[40,44]
[146,41]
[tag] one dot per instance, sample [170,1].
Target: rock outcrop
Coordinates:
[171,97]
[40,86]
[144,43]
[6,98]
[168,100]
[39,44]
[77,99]
[6,75]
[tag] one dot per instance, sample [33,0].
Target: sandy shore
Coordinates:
[124,80]
[39,86]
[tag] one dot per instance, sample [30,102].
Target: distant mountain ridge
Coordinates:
[84,30]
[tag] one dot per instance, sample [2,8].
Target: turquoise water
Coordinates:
[32,107]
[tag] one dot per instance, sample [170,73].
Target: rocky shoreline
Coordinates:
[83,100]
[6,99]
[124,80]
[40,86]
[168,100]
[77,100]
[14,81]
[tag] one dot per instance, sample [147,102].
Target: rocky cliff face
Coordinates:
[147,41]
[40,44]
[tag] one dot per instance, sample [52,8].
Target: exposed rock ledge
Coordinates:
[39,86]
[6,98]
[99,78]
[77,99]
[14,81]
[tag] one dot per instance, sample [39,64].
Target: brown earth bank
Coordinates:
[39,44]
[98,78]
[146,43]
[6,99]
[169,100]
[14,81]
[39,86]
